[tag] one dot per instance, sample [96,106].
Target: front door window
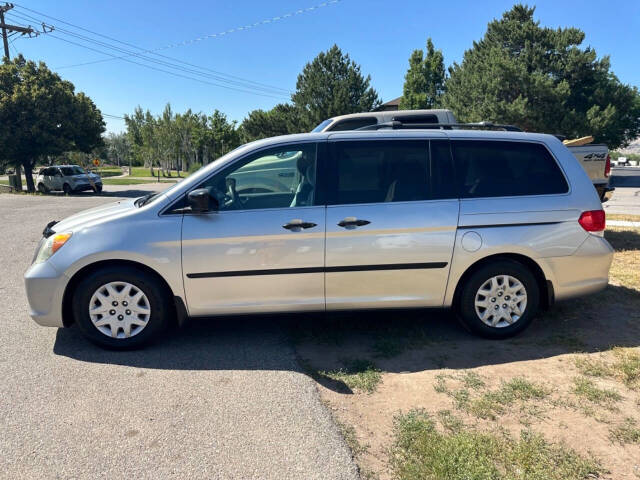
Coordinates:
[281,177]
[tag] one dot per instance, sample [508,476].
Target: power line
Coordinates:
[7,29]
[218,76]
[162,70]
[208,36]
[11,45]
[242,87]
[191,41]
[247,84]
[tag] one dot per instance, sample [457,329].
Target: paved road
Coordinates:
[220,399]
[626,198]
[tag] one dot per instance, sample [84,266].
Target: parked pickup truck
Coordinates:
[596,161]
[594,158]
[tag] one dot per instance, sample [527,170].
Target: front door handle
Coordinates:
[298,224]
[352,222]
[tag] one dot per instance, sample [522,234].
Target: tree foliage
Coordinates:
[173,141]
[541,80]
[332,84]
[117,149]
[282,119]
[42,115]
[425,80]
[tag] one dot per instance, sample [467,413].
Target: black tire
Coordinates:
[159,303]
[42,188]
[66,188]
[466,301]
[98,188]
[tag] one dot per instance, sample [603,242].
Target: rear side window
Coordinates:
[504,169]
[353,124]
[387,171]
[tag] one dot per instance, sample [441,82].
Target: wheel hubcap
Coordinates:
[119,310]
[501,301]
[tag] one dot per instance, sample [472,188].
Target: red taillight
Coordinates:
[593,220]
[607,166]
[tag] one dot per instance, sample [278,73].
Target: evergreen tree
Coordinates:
[332,84]
[425,79]
[539,78]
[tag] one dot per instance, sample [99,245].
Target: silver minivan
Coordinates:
[495,225]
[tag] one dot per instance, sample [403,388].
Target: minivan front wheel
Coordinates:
[499,300]
[121,307]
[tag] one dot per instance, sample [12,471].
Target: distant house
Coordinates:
[389,106]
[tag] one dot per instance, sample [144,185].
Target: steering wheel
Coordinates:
[232,198]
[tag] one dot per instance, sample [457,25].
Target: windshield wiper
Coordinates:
[140,202]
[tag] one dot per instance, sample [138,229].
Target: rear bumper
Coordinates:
[584,272]
[45,289]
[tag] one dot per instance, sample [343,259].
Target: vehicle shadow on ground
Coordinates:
[391,340]
[395,341]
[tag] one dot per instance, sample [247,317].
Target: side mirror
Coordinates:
[201,201]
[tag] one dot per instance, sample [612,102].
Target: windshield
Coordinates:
[153,196]
[69,171]
[321,126]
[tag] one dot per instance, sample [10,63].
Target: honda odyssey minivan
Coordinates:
[495,225]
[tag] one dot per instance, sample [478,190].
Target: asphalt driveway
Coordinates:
[219,399]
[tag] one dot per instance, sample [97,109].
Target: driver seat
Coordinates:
[304,193]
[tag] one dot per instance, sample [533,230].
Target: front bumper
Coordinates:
[86,186]
[45,289]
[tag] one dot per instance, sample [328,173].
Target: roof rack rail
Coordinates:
[396,124]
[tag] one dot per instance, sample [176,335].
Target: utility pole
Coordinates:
[13,29]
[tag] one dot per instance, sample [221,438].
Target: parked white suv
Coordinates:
[68,178]
[493,224]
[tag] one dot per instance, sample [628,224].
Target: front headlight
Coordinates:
[51,246]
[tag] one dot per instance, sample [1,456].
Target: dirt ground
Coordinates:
[425,360]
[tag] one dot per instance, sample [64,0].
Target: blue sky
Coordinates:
[378,34]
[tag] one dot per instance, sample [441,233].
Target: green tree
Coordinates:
[331,85]
[225,135]
[118,148]
[541,80]
[282,119]
[42,115]
[425,80]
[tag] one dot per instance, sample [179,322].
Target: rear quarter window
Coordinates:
[353,124]
[417,118]
[505,169]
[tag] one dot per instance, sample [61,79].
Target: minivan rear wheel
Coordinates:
[499,300]
[121,307]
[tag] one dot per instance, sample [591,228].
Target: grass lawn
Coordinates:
[623,217]
[145,172]
[417,397]
[131,181]
[4,182]
[105,172]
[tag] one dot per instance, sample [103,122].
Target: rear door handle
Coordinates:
[298,224]
[352,222]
